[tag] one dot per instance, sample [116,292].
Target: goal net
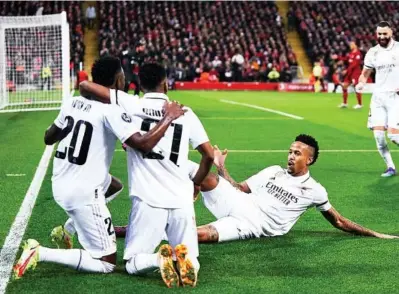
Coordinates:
[34,62]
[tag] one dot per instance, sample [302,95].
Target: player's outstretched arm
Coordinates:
[219,162]
[146,142]
[95,91]
[344,224]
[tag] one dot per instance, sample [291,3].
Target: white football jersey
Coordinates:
[283,198]
[84,155]
[160,177]
[385,61]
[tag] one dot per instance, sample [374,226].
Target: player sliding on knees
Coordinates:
[270,202]
[87,132]
[384,106]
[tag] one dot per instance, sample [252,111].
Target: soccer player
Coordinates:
[160,188]
[270,202]
[353,71]
[87,132]
[384,106]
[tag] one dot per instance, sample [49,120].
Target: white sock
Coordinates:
[383,149]
[69,226]
[78,259]
[141,263]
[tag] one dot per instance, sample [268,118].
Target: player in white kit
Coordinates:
[269,203]
[87,131]
[384,106]
[160,188]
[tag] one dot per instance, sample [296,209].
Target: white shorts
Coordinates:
[107,183]
[238,216]
[94,227]
[384,111]
[147,226]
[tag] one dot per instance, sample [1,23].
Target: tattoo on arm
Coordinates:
[222,171]
[346,225]
[208,234]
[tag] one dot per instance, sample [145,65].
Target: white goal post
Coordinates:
[34,62]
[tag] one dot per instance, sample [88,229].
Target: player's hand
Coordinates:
[124,146]
[197,189]
[173,109]
[386,236]
[219,156]
[359,87]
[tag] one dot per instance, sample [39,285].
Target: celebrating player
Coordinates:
[384,106]
[354,60]
[269,203]
[87,132]
[160,187]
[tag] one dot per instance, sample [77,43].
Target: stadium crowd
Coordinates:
[327,27]
[206,41]
[29,57]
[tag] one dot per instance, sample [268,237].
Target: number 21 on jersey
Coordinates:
[174,145]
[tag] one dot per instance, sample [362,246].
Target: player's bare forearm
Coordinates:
[146,142]
[205,166]
[348,226]
[366,72]
[94,91]
[222,171]
[52,135]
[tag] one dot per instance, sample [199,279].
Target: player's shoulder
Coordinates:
[373,49]
[316,188]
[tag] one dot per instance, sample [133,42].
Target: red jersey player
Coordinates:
[353,71]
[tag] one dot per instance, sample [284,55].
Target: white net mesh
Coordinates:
[34,62]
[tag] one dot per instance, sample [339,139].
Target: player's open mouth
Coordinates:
[290,163]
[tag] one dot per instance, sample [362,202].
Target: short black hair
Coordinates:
[105,69]
[151,76]
[384,24]
[310,141]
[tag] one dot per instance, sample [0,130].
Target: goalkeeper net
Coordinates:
[34,62]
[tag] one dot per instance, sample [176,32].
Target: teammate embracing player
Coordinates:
[87,132]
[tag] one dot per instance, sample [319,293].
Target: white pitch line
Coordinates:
[242,118]
[15,175]
[17,231]
[263,108]
[286,151]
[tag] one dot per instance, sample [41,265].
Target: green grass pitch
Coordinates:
[313,258]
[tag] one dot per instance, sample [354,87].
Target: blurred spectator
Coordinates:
[90,15]
[273,75]
[318,75]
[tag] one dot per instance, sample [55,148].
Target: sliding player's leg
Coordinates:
[62,236]
[96,235]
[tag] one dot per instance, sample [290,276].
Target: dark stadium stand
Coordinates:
[74,16]
[327,27]
[209,41]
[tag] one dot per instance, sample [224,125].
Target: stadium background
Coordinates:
[207,44]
